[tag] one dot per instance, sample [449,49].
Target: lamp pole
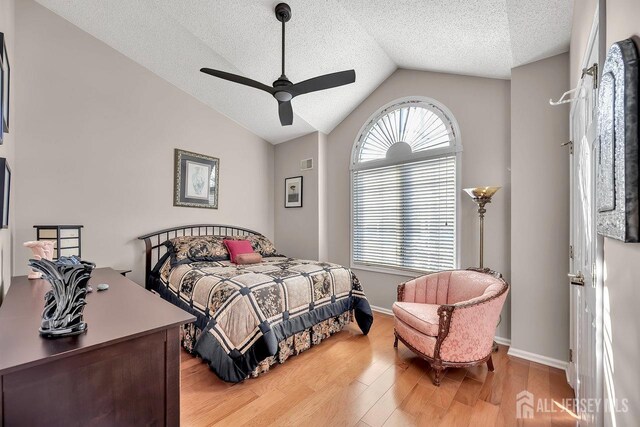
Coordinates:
[481,212]
[482,196]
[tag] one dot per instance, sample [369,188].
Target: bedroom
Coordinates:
[101,95]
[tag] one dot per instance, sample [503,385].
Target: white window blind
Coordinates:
[404,215]
[404,190]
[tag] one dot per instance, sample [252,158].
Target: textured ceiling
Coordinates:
[174,39]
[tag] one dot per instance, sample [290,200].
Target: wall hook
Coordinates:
[570,144]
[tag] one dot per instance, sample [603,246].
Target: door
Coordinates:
[585,287]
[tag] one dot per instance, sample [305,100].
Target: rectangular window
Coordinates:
[404,215]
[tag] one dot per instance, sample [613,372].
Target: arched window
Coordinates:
[404,188]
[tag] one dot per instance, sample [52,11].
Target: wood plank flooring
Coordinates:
[356,380]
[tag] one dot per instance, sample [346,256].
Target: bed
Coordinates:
[249,317]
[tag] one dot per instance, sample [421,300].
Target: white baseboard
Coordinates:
[502,341]
[381,310]
[533,357]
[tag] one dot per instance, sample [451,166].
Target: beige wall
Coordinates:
[481,107]
[323,205]
[297,229]
[97,134]
[7,149]
[621,328]
[540,209]
[622,268]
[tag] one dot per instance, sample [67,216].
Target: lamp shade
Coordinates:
[65,238]
[482,193]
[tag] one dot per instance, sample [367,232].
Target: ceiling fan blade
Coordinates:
[237,79]
[323,82]
[286,113]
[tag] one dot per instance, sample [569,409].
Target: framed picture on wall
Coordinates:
[5,188]
[293,192]
[195,180]
[5,76]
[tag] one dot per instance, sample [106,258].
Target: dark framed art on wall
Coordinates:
[5,78]
[293,192]
[5,188]
[195,180]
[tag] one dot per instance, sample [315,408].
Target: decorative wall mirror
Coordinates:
[617,203]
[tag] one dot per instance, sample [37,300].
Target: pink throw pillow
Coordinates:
[253,258]
[237,247]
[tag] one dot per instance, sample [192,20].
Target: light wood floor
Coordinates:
[356,380]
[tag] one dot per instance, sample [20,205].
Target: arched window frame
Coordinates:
[455,148]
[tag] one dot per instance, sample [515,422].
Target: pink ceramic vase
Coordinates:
[42,249]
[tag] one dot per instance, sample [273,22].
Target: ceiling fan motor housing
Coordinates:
[283,12]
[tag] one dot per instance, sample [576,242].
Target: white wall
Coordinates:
[7,149]
[481,107]
[97,134]
[540,209]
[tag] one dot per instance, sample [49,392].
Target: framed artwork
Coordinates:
[5,188]
[5,76]
[617,151]
[195,180]
[293,192]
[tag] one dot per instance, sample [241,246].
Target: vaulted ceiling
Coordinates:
[174,39]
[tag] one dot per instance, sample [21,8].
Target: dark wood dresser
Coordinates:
[124,371]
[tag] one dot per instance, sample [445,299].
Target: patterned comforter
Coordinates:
[245,310]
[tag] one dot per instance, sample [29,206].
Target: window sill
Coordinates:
[390,270]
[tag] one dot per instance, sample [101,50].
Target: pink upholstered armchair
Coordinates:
[449,318]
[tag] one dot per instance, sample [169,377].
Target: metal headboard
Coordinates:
[154,242]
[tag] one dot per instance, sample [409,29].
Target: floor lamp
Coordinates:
[482,196]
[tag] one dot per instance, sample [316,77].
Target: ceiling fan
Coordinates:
[283,90]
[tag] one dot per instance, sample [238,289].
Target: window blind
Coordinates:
[404,215]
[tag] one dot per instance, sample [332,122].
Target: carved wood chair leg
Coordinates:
[395,341]
[490,363]
[437,374]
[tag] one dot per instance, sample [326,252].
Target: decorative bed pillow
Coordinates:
[252,258]
[188,249]
[237,247]
[260,244]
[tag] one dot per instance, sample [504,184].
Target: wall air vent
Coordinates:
[306,164]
